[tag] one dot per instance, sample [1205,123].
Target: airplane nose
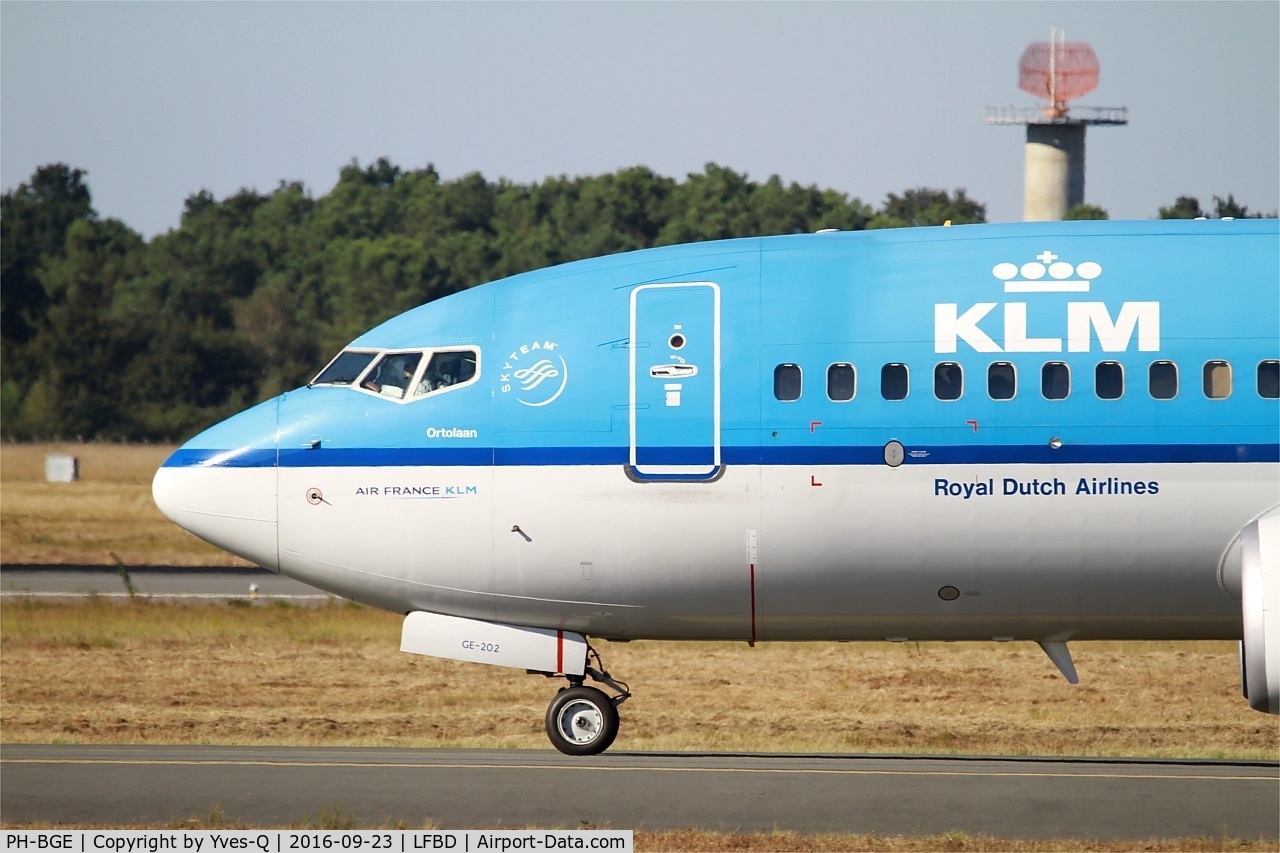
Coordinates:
[221,486]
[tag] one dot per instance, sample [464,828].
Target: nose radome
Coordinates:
[221,486]
[234,510]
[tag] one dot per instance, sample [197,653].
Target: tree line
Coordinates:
[105,335]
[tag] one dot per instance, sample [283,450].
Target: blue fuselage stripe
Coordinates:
[382,457]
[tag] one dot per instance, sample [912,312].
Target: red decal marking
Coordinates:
[753,604]
[812,481]
[973,424]
[813,425]
[559,651]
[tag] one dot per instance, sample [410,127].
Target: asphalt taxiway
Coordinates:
[456,789]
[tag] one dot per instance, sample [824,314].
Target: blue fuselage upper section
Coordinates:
[1123,342]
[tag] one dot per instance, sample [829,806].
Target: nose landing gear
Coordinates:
[584,720]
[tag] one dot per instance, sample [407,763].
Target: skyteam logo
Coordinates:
[1085,321]
[536,372]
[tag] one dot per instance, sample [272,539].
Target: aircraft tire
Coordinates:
[582,721]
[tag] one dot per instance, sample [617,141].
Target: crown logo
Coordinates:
[1062,276]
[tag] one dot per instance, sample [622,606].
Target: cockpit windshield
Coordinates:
[344,369]
[393,374]
[448,368]
[402,375]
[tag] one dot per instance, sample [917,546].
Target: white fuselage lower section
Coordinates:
[765,552]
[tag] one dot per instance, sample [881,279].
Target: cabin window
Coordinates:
[1055,380]
[344,369]
[1269,379]
[1108,380]
[948,381]
[787,382]
[842,382]
[1002,381]
[1217,380]
[447,369]
[1163,380]
[894,381]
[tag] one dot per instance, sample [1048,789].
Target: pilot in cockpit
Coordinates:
[392,376]
[441,373]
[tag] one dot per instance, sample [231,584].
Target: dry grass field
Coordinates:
[151,673]
[105,519]
[103,672]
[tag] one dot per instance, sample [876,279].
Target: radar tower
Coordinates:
[1056,71]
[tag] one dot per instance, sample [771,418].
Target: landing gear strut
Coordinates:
[584,720]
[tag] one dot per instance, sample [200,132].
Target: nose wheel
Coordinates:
[584,720]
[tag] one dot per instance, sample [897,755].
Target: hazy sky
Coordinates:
[158,100]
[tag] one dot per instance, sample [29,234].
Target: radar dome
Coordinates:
[1058,71]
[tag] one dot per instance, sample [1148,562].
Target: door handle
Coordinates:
[673,371]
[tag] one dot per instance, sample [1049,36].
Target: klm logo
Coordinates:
[1085,321]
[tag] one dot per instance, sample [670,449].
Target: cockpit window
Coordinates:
[402,375]
[446,369]
[344,369]
[393,375]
